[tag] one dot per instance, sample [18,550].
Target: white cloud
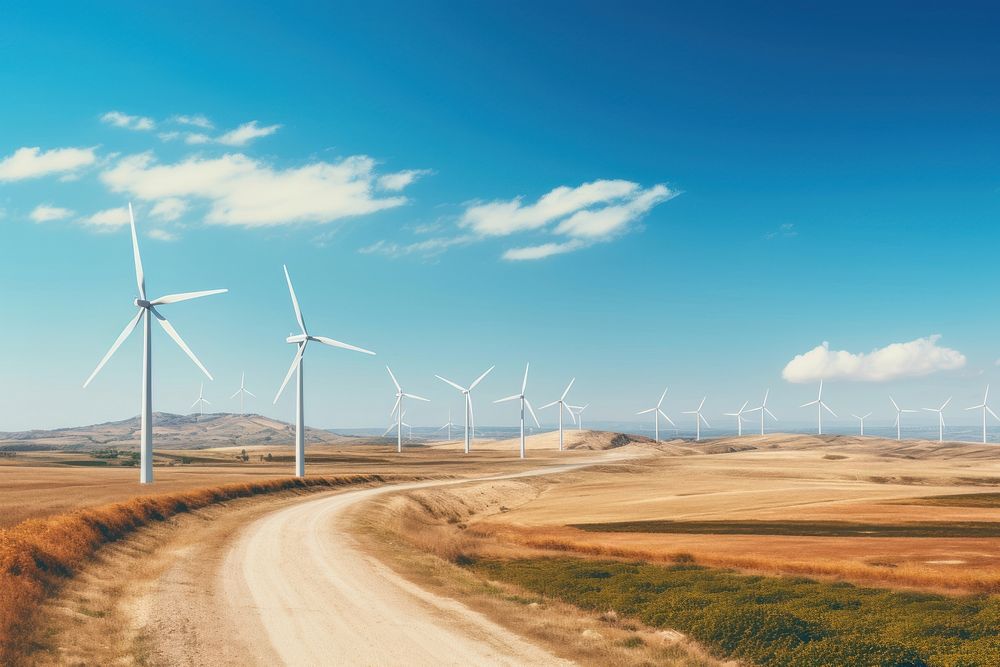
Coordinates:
[785,230]
[119,119]
[399,180]
[427,248]
[169,136]
[108,219]
[922,356]
[47,213]
[243,191]
[161,235]
[169,209]
[33,162]
[541,251]
[196,120]
[196,138]
[246,133]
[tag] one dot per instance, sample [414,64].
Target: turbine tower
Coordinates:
[562,405]
[763,409]
[242,391]
[469,414]
[578,409]
[985,408]
[739,417]
[201,402]
[820,406]
[657,413]
[524,402]
[940,414]
[899,414]
[147,310]
[300,341]
[862,420]
[698,419]
[398,410]
[447,425]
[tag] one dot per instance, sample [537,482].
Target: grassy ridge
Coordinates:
[38,554]
[773,620]
[801,528]
[956,500]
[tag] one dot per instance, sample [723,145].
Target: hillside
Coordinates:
[171,431]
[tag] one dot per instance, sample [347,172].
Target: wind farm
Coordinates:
[539,219]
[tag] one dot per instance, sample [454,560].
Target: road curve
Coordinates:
[308,595]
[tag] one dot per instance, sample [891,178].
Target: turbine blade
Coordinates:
[765,396]
[185,296]
[524,382]
[508,398]
[169,328]
[236,394]
[195,402]
[461,389]
[662,396]
[533,416]
[291,369]
[395,406]
[249,394]
[572,414]
[945,404]
[419,398]
[771,413]
[702,404]
[398,388]
[704,421]
[389,430]
[806,405]
[894,403]
[990,410]
[664,415]
[140,277]
[568,387]
[295,302]
[336,343]
[548,405]
[480,378]
[118,341]
[827,408]
[643,412]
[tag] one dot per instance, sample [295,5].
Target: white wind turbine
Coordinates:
[398,410]
[147,311]
[562,405]
[899,415]
[940,414]
[698,419]
[301,340]
[578,410]
[862,420]
[762,408]
[448,425]
[469,414]
[524,402]
[242,391]
[657,413]
[739,417]
[201,402]
[820,406]
[985,408]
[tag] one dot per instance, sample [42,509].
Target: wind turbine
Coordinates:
[699,419]
[862,420]
[201,402]
[147,310]
[467,393]
[899,414]
[446,426]
[739,417]
[242,391]
[763,409]
[820,406]
[578,409]
[985,408]
[300,341]
[398,410]
[524,402]
[657,412]
[940,413]
[562,404]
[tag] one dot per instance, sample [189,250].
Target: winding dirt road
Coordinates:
[293,587]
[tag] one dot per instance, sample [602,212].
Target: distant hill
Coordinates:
[172,431]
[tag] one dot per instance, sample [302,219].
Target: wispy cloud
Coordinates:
[33,162]
[108,219]
[401,179]
[784,231]
[922,356]
[119,119]
[244,191]
[161,235]
[196,120]
[541,251]
[427,248]
[169,209]
[47,213]
[246,133]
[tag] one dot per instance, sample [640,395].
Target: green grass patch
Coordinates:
[801,528]
[772,620]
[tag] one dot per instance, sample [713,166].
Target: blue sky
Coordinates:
[718,189]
